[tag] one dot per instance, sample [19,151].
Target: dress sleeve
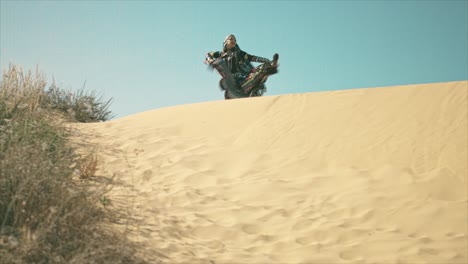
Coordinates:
[253,58]
[211,56]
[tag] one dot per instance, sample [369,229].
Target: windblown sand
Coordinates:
[354,176]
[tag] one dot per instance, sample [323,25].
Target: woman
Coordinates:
[238,61]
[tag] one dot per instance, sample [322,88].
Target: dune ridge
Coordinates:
[354,176]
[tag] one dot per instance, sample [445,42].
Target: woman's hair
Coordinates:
[230,35]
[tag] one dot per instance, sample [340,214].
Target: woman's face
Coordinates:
[230,42]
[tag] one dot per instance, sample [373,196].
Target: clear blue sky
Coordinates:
[149,54]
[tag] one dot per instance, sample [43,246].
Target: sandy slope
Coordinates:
[355,176]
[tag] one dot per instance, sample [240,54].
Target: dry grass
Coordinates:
[47,216]
[88,166]
[21,91]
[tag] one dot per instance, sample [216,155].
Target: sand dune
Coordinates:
[354,176]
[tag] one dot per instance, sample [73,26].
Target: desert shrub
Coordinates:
[26,92]
[82,106]
[47,213]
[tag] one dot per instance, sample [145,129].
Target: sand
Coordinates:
[374,175]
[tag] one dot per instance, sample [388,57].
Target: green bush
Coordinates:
[81,106]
